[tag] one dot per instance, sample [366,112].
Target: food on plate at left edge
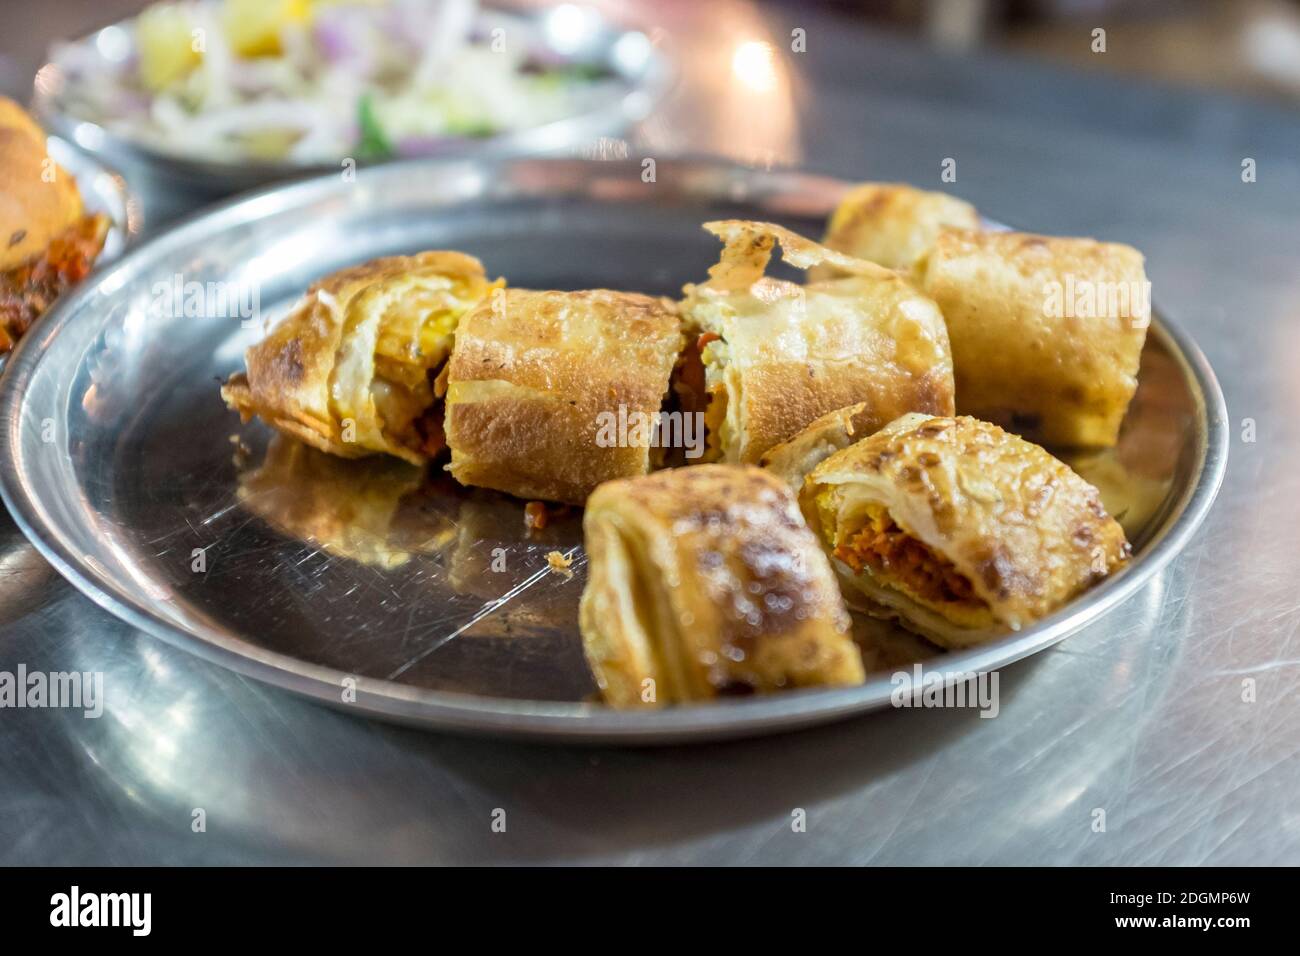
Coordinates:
[48,242]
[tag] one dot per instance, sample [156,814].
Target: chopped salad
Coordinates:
[310,81]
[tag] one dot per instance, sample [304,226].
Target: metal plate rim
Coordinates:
[572,722]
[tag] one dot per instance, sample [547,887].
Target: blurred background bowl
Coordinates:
[635,72]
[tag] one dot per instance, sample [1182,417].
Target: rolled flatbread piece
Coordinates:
[793,459]
[703,582]
[958,528]
[766,357]
[893,224]
[1046,333]
[351,369]
[551,393]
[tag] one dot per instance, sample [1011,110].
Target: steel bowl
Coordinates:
[641,74]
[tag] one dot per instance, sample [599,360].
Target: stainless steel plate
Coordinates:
[319,575]
[640,74]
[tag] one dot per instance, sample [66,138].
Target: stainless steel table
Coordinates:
[1178,715]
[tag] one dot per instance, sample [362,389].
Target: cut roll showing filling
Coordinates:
[893,224]
[766,357]
[959,529]
[352,370]
[705,582]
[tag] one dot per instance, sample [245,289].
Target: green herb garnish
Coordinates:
[374,142]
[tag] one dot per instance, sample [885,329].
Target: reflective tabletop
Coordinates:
[1165,734]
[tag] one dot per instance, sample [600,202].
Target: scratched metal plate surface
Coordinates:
[305,571]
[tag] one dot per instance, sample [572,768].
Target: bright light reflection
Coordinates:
[113,44]
[754,65]
[569,27]
[631,51]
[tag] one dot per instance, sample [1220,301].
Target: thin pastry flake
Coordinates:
[793,459]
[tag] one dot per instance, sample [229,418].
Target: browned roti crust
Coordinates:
[289,374]
[706,581]
[893,224]
[788,354]
[1027,532]
[1065,380]
[532,374]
